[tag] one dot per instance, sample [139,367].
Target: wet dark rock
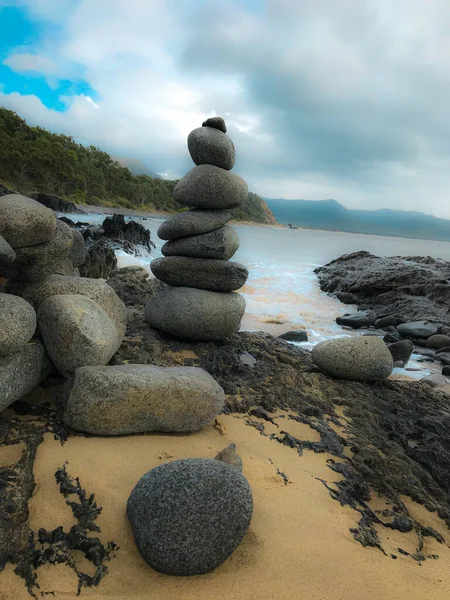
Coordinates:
[216,123]
[444,357]
[418,329]
[415,287]
[391,338]
[115,228]
[446,371]
[358,319]
[401,351]
[56,203]
[386,322]
[67,221]
[438,341]
[296,335]
[188,516]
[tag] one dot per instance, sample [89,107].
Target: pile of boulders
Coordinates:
[52,318]
[201,303]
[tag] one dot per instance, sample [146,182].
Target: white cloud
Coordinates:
[337,99]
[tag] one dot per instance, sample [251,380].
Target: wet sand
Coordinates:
[299,544]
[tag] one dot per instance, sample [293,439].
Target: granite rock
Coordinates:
[210,146]
[7,254]
[25,222]
[207,186]
[193,314]
[17,323]
[125,399]
[190,515]
[202,273]
[77,253]
[220,244]
[356,358]
[192,222]
[216,123]
[357,320]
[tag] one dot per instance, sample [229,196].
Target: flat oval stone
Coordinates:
[17,323]
[25,222]
[189,515]
[207,186]
[357,358]
[220,244]
[126,399]
[418,329]
[192,222]
[193,314]
[202,273]
[209,146]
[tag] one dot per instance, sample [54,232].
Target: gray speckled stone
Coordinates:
[78,251]
[210,146]
[207,186]
[357,358]
[41,260]
[21,372]
[192,222]
[216,123]
[25,222]
[77,332]
[220,244]
[95,289]
[202,273]
[7,254]
[188,516]
[435,380]
[17,323]
[418,329]
[401,351]
[124,399]
[230,456]
[193,314]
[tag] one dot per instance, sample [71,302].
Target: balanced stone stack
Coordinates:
[201,303]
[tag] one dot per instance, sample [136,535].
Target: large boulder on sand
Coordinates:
[21,372]
[210,146]
[126,399]
[207,186]
[96,290]
[41,260]
[356,358]
[202,273]
[25,222]
[7,254]
[220,244]
[194,314]
[192,222]
[418,329]
[77,332]
[190,515]
[17,324]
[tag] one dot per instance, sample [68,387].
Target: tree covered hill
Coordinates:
[34,159]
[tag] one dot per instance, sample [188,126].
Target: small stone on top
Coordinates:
[215,123]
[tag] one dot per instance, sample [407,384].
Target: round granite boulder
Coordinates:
[202,273]
[210,146]
[356,358]
[25,222]
[216,123]
[418,329]
[40,260]
[193,314]
[207,186]
[125,399]
[97,290]
[192,222]
[220,244]
[188,516]
[22,371]
[77,332]
[7,254]
[357,320]
[17,323]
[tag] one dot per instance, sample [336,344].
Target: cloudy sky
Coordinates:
[344,99]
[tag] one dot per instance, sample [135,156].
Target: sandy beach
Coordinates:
[299,544]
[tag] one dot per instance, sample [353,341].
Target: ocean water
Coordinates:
[282,288]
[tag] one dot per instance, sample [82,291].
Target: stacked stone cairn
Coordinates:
[201,303]
[187,516]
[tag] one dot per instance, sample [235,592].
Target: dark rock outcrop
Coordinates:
[358,320]
[296,335]
[414,287]
[116,229]
[56,203]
